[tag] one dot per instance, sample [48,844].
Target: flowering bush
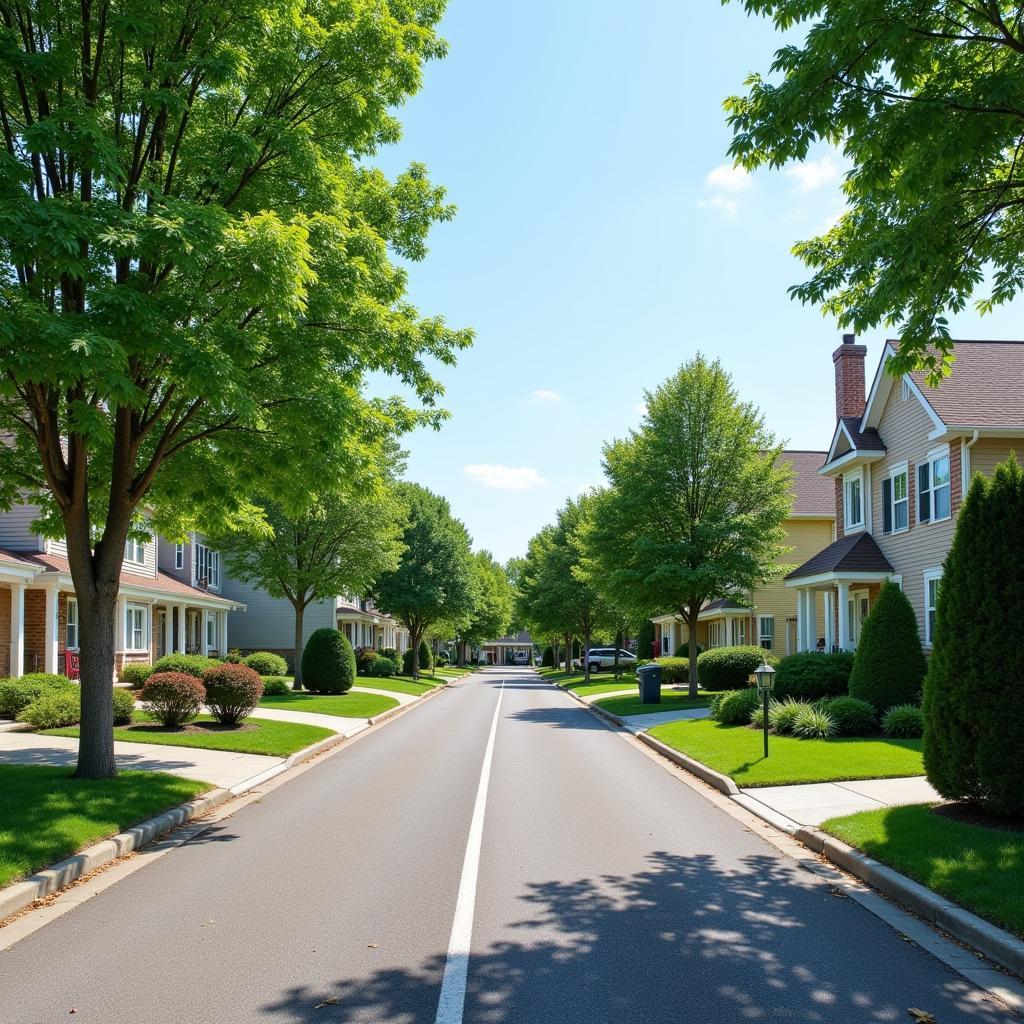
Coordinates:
[232,691]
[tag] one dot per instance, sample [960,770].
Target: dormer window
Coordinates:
[135,551]
[207,563]
[853,500]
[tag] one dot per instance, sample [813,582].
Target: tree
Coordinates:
[433,580]
[197,267]
[696,503]
[927,102]
[491,610]
[973,699]
[338,544]
[889,663]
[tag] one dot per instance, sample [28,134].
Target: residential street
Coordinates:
[607,892]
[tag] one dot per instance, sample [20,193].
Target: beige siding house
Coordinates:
[768,616]
[901,460]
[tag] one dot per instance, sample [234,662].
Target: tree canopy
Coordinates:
[492,604]
[927,102]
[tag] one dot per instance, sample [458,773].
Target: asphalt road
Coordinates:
[608,892]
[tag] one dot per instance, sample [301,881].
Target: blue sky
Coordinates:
[602,239]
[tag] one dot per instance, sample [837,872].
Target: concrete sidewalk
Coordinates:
[402,698]
[641,723]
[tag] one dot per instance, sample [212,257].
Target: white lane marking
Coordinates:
[453,987]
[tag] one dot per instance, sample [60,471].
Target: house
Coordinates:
[157,612]
[503,651]
[901,458]
[366,626]
[767,616]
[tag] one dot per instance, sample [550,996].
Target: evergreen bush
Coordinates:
[124,707]
[673,670]
[54,709]
[191,664]
[683,650]
[173,698]
[547,659]
[730,668]
[736,706]
[380,667]
[275,686]
[904,722]
[426,659]
[328,663]
[645,640]
[889,664]
[853,717]
[17,694]
[783,714]
[811,676]
[408,662]
[135,674]
[266,663]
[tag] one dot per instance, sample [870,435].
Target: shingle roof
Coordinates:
[865,440]
[522,637]
[857,552]
[724,604]
[813,494]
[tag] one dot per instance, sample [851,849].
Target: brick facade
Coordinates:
[956,477]
[839,508]
[849,366]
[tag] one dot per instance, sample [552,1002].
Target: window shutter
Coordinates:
[887,506]
[924,497]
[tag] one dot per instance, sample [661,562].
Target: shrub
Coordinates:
[735,707]
[274,686]
[426,661]
[266,663]
[53,709]
[757,717]
[547,659]
[645,639]
[17,694]
[853,717]
[328,664]
[813,724]
[783,714]
[232,691]
[889,665]
[904,722]
[191,664]
[380,667]
[811,676]
[443,658]
[135,674]
[673,670]
[407,662]
[683,650]
[124,707]
[730,668]
[173,698]
[392,653]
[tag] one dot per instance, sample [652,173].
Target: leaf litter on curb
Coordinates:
[921,1016]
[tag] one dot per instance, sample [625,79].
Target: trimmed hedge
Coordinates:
[17,694]
[266,663]
[812,676]
[889,666]
[232,692]
[673,670]
[426,659]
[328,663]
[736,706]
[173,698]
[683,650]
[408,660]
[124,707]
[53,710]
[730,668]
[379,667]
[853,717]
[135,674]
[274,686]
[904,722]
[191,664]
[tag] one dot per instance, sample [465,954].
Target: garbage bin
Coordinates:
[649,680]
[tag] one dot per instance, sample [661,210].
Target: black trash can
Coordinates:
[649,680]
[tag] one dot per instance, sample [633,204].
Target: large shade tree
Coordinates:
[927,102]
[492,605]
[696,504]
[433,582]
[197,266]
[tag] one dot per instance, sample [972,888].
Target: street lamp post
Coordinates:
[765,676]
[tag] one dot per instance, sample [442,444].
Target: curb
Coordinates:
[717,781]
[22,894]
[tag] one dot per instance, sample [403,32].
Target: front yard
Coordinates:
[980,868]
[345,705]
[737,751]
[46,815]
[670,701]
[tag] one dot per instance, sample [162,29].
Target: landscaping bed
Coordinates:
[980,868]
[345,705]
[254,736]
[46,814]
[737,751]
[622,707]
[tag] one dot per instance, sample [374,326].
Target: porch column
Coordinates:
[168,629]
[801,622]
[50,631]
[204,645]
[222,634]
[179,611]
[17,629]
[830,624]
[844,616]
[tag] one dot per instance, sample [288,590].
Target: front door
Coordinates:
[857,609]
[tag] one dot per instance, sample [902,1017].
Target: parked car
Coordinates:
[521,658]
[604,657]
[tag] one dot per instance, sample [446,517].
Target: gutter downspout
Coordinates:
[965,477]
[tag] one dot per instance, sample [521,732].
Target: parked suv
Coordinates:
[521,658]
[604,657]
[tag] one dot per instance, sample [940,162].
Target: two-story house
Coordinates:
[901,459]
[767,616]
[39,622]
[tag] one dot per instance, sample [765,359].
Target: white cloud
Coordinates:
[726,205]
[640,409]
[545,395]
[505,478]
[811,175]
[728,178]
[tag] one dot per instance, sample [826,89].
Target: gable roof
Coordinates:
[857,552]
[813,494]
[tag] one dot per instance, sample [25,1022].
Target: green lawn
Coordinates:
[737,751]
[982,869]
[396,684]
[670,701]
[452,672]
[275,739]
[345,705]
[583,690]
[46,815]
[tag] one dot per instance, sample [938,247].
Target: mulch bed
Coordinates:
[968,814]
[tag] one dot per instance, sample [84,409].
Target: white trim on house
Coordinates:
[851,525]
[882,386]
[837,576]
[857,457]
[935,455]
[932,575]
[898,470]
[71,624]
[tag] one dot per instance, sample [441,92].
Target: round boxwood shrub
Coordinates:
[426,660]
[53,709]
[673,670]
[547,659]
[903,722]
[190,664]
[266,663]
[173,698]
[683,650]
[17,694]
[811,676]
[124,706]
[889,665]
[232,691]
[380,667]
[735,707]
[135,674]
[853,717]
[730,668]
[274,686]
[813,724]
[328,663]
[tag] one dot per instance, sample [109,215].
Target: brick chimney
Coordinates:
[849,362]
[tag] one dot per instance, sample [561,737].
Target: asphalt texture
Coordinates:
[608,893]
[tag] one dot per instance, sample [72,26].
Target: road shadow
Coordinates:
[571,716]
[59,757]
[682,940]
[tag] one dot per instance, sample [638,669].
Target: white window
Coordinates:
[896,501]
[211,631]
[71,625]
[179,556]
[766,631]
[136,627]
[739,632]
[853,499]
[207,565]
[666,644]
[135,551]
[716,633]
[932,579]
[933,487]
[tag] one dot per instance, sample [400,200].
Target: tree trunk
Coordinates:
[691,638]
[415,635]
[300,614]
[98,616]
[568,654]
[619,641]
[585,655]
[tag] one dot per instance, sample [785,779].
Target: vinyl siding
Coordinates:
[166,559]
[987,452]
[148,566]
[16,529]
[57,547]
[268,623]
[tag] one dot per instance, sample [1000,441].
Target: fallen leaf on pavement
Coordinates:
[329,1001]
[921,1016]
[371,945]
